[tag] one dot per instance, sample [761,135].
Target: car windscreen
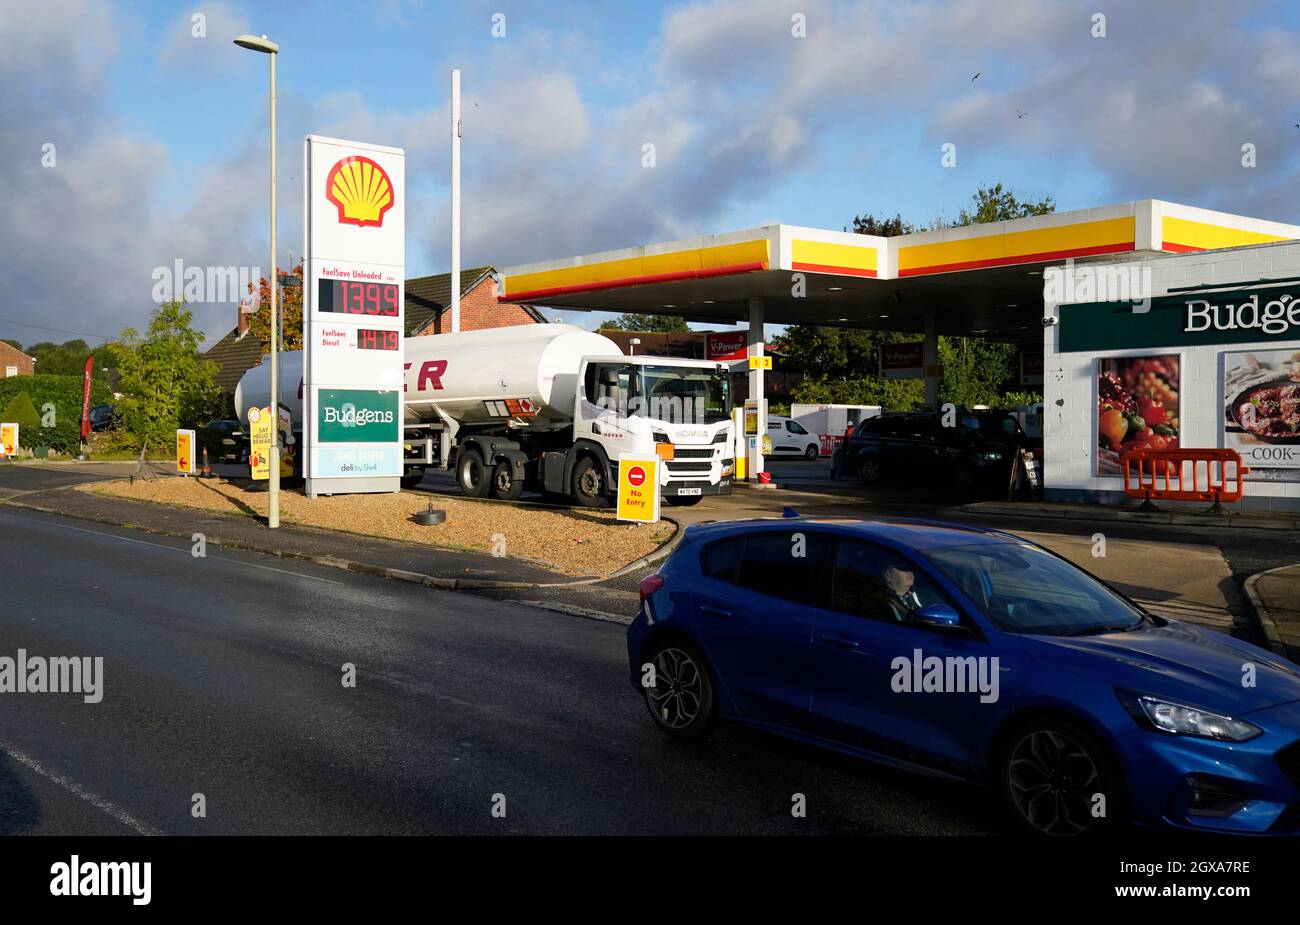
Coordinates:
[1025,589]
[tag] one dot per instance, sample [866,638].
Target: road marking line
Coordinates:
[79,791]
[128,539]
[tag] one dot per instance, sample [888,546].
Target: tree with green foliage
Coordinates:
[60,430]
[165,382]
[290,311]
[21,411]
[647,324]
[994,204]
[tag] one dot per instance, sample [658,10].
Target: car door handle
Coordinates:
[714,611]
[842,641]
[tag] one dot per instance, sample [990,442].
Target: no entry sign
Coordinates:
[638,488]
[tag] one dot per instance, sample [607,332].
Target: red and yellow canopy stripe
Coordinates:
[692,263]
[1107,236]
[1183,234]
[827,257]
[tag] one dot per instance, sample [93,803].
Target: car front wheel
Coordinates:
[1058,779]
[811,453]
[680,699]
[870,471]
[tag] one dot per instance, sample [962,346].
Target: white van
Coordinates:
[790,438]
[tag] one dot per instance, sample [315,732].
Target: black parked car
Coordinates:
[999,427]
[102,416]
[917,446]
[225,441]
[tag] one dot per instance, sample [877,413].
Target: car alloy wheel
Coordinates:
[678,696]
[811,453]
[1053,781]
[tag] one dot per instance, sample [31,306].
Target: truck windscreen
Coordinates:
[681,395]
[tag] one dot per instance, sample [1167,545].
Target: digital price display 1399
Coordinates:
[357,298]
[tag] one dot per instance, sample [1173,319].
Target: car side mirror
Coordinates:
[940,616]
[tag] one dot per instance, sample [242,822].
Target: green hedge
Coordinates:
[65,393]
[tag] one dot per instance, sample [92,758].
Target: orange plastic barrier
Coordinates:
[1184,475]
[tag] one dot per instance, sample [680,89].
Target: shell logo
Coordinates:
[361,191]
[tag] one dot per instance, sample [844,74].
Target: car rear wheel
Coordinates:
[472,475]
[1058,779]
[681,698]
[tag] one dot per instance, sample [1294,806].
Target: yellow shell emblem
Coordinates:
[361,190]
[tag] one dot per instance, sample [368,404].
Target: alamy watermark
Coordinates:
[36,674]
[1099,283]
[930,674]
[203,284]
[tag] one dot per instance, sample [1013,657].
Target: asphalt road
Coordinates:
[222,676]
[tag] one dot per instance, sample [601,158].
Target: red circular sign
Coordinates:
[636,476]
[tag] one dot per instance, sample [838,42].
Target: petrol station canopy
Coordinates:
[977,280]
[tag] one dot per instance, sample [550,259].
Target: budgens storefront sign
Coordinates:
[357,416]
[1243,316]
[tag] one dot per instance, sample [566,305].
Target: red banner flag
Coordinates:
[85,397]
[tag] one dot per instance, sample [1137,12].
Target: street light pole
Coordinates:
[270,49]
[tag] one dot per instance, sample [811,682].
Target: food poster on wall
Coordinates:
[1137,406]
[1261,411]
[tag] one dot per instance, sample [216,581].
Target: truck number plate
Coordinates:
[689,491]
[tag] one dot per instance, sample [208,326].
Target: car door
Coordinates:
[867,651]
[755,612]
[776,431]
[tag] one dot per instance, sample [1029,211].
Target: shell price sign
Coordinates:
[638,488]
[353,295]
[8,439]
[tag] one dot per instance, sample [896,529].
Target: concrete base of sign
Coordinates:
[375,485]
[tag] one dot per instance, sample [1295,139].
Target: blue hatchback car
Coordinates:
[970,654]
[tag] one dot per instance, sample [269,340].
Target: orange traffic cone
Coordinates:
[206,470]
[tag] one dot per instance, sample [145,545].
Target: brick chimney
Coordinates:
[241,318]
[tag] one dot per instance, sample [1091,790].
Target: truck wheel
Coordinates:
[589,484]
[412,477]
[472,474]
[504,484]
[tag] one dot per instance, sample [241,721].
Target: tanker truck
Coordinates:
[547,407]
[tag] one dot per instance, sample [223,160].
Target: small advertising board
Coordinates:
[902,361]
[8,439]
[185,450]
[638,488]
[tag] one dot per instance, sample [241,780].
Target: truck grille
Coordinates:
[674,466]
[693,452]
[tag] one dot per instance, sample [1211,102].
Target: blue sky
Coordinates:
[160,134]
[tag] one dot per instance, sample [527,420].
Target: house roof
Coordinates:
[427,296]
[235,355]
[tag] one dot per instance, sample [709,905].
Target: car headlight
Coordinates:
[991,455]
[1180,719]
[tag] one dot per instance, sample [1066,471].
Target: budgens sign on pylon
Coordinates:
[353,293]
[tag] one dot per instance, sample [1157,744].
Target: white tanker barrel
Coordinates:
[526,372]
[254,389]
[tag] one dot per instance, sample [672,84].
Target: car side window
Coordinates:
[721,560]
[786,564]
[876,583]
[795,427]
